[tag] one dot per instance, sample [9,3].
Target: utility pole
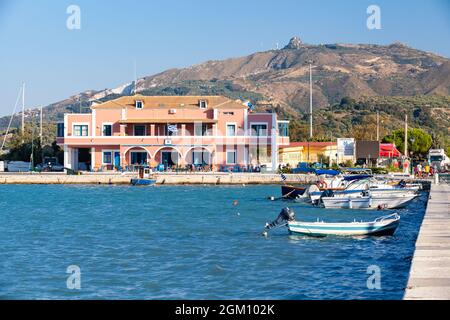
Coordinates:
[406,135]
[310,103]
[378,126]
[40,130]
[32,143]
[41,137]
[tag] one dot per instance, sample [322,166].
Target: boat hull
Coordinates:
[369,202]
[142,182]
[292,192]
[321,229]
[346,203]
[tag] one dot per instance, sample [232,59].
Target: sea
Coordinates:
[189,242]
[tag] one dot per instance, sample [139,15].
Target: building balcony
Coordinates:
[170,140]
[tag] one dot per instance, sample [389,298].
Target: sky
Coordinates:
[55,62]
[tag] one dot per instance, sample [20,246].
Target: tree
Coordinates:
[20,146]
[419,142]
[298,131]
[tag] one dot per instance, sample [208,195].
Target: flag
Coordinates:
[172,128]
[283,177]
[249,105]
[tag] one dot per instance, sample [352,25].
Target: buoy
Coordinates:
[272,198]
[264,234]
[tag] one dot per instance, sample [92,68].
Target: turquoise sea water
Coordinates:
[187,242]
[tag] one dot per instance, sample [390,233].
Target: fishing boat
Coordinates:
[142,182]
[382,226]
[377,188]
[144,178]
[367,200]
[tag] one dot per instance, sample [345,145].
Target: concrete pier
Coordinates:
[429,277]
[210,178]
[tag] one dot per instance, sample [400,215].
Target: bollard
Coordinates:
[436,178]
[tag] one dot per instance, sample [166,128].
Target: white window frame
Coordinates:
[284,122]
[103,157]
[200,104]
[235,157]
[80,124]
[139,102]
[235,128]
[259,123]
[145,129]
[107,124]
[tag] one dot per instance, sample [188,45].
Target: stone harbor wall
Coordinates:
[163,178]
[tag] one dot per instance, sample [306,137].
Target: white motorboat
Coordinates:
[367,200]
[354,189]
[381,226]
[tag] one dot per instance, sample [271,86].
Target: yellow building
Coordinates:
[308,152]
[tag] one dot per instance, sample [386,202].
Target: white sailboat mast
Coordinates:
[23,109]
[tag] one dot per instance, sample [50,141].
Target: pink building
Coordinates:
[171,130]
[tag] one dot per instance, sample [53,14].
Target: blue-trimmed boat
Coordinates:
[382,226]
[142,182]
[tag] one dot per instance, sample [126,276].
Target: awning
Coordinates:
[388,150]
[170,121]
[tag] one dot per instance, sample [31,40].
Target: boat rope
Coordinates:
[288,194]
[282,197]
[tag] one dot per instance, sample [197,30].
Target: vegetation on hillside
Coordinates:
[358,119]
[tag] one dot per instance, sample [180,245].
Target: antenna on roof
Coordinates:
[135,77]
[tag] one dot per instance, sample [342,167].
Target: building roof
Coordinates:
[311,144]
[389,150]
[171,102]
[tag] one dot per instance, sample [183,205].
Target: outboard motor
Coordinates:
[285,215]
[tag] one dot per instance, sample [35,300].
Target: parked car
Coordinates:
[50,164]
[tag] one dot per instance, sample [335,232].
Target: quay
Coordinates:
[210,178]
[429,277]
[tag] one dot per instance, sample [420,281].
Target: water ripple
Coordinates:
[187,242]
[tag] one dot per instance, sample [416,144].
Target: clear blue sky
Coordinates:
[36,47]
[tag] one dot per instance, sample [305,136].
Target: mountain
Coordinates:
[279,79]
